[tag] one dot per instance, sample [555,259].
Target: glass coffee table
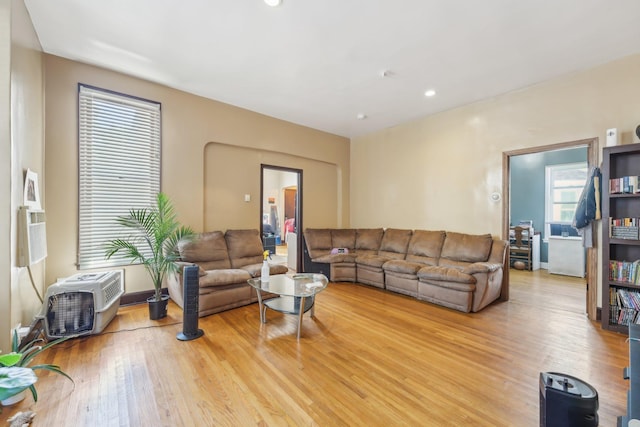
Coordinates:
[296,294]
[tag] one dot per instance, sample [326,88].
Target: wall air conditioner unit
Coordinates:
[83,304]
[32,237]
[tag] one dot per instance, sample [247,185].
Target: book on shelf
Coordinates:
[624,271]
[624,228]
[626,184]
[624,306]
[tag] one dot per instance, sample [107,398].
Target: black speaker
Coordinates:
[566,401]
[190,284]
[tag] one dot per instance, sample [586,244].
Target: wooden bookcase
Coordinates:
[618,162]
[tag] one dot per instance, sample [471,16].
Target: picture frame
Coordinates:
[31,190]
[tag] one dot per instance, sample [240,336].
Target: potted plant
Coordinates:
[16,373]
[154,245]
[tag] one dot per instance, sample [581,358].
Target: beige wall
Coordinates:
[211,152]
[5,172]
[438,172]
[22,147]
[321,183]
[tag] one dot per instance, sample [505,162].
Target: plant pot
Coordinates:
[158,309]
[14,399]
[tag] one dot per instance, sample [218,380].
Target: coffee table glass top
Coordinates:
[296,285]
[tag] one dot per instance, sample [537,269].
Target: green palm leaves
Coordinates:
[154,243]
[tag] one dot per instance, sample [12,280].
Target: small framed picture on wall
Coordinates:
[31,191]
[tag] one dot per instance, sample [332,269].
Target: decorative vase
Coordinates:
[158,309]
[19,397]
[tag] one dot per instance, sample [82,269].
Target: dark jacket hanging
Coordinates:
[588,208]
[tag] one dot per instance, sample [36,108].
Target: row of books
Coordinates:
[626,184]
[624,228]
[623,316]
[624,306]
[625,271]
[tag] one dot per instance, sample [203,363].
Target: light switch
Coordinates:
[247,197]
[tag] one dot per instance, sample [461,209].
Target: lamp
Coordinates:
[273,3]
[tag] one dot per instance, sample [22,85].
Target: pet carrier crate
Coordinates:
[83,304]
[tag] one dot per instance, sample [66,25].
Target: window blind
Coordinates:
[119,167]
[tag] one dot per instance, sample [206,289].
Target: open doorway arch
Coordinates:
[281,208]
[592,253]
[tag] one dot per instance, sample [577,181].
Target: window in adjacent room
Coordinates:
[564,184]
[119,166]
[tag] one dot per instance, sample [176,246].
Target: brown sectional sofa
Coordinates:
[459,271]
[226,261]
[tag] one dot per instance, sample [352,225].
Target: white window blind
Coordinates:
[119,167]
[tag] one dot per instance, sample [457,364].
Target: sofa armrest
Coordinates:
[173,282]
[481,267]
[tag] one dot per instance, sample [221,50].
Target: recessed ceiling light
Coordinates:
[273,3]
[429,93]
[361,116]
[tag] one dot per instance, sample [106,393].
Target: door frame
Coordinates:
[298,217]
[593,148]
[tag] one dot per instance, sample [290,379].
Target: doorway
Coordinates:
[591,146]
[281,214]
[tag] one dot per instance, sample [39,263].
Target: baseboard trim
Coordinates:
[133,298]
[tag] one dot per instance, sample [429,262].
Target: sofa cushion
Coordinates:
[224,277]
[444,274]
[402,266]
[336,258]
[425,246]
[368,240]
[244,246]
[394,243]
[208,250]
[467,247]
[371,260]
[343,238]
[318,241]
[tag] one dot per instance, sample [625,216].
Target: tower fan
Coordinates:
[82,304]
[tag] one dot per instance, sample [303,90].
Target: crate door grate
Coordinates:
[111,291]
[70,313]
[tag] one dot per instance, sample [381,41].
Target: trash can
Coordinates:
[566,401]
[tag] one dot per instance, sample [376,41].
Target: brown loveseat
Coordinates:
[459,271]
[226,261]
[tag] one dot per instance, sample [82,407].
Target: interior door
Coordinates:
[592,255]
[281,192]
[290,196]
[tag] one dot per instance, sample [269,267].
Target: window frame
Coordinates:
[548,197]
[102,133]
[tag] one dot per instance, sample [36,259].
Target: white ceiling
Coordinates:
[319,63]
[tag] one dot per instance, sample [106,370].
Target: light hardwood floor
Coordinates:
[369,357]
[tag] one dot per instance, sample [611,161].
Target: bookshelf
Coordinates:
[621,246]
